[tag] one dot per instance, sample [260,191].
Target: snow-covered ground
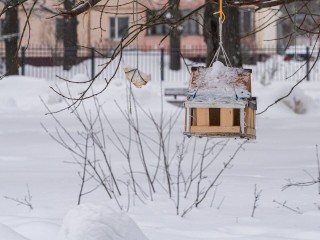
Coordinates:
[35,169]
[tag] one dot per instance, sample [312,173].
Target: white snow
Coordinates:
[6,233]
[37,229]
[219,83]
[98,222]
[284,149]
[299,49]
[22,93]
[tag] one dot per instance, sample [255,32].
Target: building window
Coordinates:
[246,21]
[191,25]
[160,29]
[118,27]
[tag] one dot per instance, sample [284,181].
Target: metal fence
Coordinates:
[267,64]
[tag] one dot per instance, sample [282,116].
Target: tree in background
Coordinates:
[11,36]
[231,35]
[174,14]
[11,32]
[70,37]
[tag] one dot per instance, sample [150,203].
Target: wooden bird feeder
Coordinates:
[219,103]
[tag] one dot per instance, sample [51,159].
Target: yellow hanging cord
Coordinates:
[222,16]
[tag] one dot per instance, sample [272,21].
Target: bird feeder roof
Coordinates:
[219,84]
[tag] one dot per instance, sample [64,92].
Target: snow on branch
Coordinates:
[79,8]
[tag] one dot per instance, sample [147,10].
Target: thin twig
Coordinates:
[284,204]
[257,195]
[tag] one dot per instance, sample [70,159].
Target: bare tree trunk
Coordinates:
[11,29]
[230,34]
[175,63]
[70,37]
[211,31]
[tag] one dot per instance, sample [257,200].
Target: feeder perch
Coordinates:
[219,103]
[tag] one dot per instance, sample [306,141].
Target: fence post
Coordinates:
[23,60]
[92,63]
[162,64]
[307,64]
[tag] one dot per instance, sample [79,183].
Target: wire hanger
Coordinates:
[222,18]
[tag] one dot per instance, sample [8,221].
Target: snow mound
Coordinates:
[219,73]
[54,98]
[20,92]
[297,101]
[95,222]
[6,233]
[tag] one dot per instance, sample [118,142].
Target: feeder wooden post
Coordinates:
[188,119]
[241,120]
[226,117]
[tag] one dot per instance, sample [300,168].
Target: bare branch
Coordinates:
[26,201]
[284,204]
[257,195]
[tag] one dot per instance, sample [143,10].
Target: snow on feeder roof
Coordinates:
[219,83]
